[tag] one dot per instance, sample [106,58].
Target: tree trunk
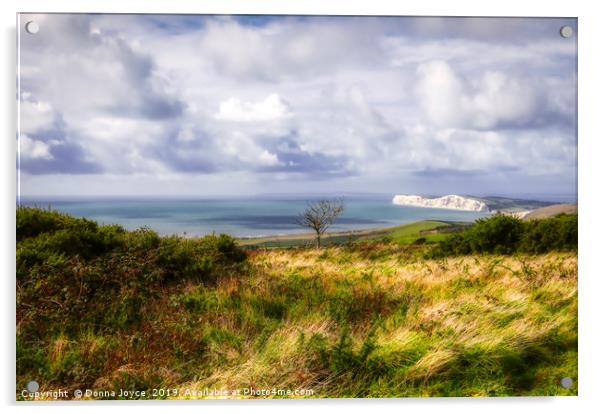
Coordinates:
[318,240]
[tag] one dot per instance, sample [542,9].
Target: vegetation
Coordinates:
[424,231]
[503,234]
[102,308]
[319,216]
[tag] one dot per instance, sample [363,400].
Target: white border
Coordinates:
[590,286]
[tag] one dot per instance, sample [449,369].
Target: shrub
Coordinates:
[73,273]
[44,233]
[197,258]
[182,258]
[558,233]
[143,239]
[498,234]
[224,247]
[33,221]
[456,244]
[503,234]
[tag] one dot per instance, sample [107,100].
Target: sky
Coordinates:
[198,106]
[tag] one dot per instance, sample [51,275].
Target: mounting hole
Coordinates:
[32,27]
[566,382]
[566,31]
[32,386]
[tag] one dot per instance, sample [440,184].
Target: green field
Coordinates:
[409,233]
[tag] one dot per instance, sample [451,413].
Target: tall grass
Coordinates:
[367,320]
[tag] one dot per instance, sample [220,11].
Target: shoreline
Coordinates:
[309,236]
[359,233]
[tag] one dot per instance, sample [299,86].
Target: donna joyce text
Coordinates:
[128,394]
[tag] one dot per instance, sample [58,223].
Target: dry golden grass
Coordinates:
[500,311]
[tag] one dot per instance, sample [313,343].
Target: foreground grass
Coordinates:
[341,322]
[104,309]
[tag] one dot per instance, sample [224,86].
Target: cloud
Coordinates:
[491,100]
[53,149]
[80,69]
[289,47]
[271,108]
[440,93]
[246,151]
[40,158]
[238,104]
[194,150]
[294,159]
[31,148]
[46,145]
[34,116]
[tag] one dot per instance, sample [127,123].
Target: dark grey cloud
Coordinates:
[293,159]
[64,153]
[67,158]
[194,156]
[144,99]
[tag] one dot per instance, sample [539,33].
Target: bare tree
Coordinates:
[319,216]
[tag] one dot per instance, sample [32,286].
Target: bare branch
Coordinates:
[320,215]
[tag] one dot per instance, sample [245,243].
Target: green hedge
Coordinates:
[502,234]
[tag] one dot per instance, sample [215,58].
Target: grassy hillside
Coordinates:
[426,230]
[102,308]
[551,211]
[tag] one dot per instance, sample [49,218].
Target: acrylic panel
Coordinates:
[257,206]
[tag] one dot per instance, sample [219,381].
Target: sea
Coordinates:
[241,217]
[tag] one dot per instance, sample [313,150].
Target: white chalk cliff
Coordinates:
[454,202]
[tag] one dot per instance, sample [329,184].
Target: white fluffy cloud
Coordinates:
[31,148]
[246,150]
[273,107]
[490,100]
[35,116]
